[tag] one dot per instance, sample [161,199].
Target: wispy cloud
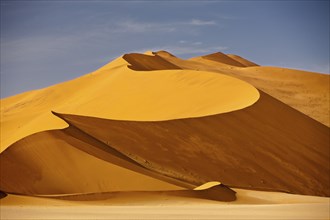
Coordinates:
[198,22]
[44,47]
[143,27]
[133,26]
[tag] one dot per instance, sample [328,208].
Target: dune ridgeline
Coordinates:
[156,123]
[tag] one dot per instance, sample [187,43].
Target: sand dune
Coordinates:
[221,58]
[241,60]
[259,147]
[154,95]
[50,163]
[150,128]
[148,62]
[275,139]
[305,91]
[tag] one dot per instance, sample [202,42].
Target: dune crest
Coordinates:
[145,62]
[223,58]
[189,128]
[115,90]
[260,147]
[241,60]
[307,92]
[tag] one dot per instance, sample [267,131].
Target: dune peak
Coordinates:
[142,105]
[164,53]
[149,53]
[222,58]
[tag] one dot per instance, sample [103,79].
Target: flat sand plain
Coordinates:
[249,205]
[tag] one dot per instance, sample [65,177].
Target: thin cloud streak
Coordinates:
[198,22]
[132,26]
[31,49]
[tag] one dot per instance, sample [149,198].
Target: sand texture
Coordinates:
[117,92]
[259,147]
[307,92]
[166,205]
[214,137]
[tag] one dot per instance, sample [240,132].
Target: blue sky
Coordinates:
[47,42]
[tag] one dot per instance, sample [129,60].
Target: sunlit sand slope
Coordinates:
[307,92]
[155,122]
[63,162]
[223,59]
[268,146]
[241,60]
[117,92]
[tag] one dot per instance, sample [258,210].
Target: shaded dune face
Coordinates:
[125,94]
[218,193]
[241,60]
[144,62]
[223,58]
[154,123]
[307,92]
[2,195]
[63,162]
[268,146]
[60,163]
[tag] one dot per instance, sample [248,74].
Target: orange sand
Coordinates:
[161,127]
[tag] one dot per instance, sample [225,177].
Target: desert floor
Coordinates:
[249,205]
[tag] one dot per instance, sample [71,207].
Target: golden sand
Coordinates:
[117,92]
[167,131]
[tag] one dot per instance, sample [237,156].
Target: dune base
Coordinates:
[160,205]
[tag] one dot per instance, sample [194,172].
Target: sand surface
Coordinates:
[221,58]
[153,136]
[117,92]
[280,140]
[262,212]
[241,60]
[307,92]
[157,205]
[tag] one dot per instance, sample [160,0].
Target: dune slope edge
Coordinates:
[260,147]
[308,92]
[124,94]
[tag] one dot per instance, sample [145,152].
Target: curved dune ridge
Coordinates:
[148,62]
[168,125]
[307,92]
[268,146]
[241,60]
[223,59]
[117,92]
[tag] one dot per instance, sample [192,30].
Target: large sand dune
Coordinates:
[260,147]
[153,124]
[307,92]
[117,92]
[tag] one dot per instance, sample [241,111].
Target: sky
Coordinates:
[48,42]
